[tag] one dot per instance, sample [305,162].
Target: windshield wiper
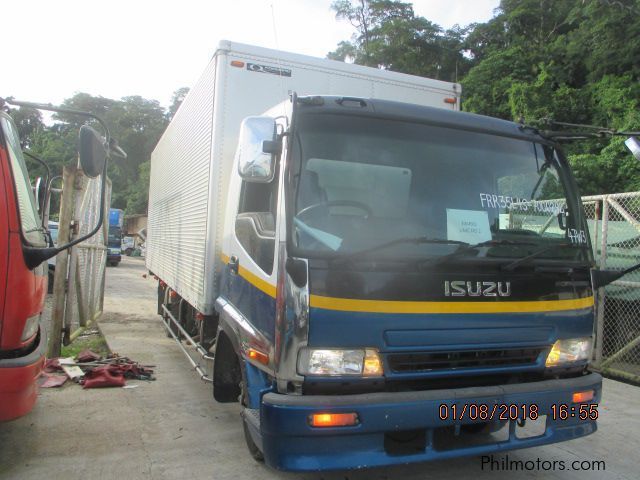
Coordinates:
[461,251]
[512,265]
[397,241]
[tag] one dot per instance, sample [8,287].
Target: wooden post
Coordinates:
[60,276]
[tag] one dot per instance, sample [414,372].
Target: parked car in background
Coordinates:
[128,245]
[114,242]
[114,246]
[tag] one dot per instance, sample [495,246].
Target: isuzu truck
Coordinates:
[378,277]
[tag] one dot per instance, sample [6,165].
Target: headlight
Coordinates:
[569,351]
[365,362]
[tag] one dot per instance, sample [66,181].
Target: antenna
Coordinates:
[275,38]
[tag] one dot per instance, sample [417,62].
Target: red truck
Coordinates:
[25,245]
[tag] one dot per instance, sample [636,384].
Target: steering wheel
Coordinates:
[338,203]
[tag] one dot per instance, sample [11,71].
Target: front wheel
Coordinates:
[255,452]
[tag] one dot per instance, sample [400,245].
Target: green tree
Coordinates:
[390,36]
[176,100]
[28,122]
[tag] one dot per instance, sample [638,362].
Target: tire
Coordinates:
[254,451]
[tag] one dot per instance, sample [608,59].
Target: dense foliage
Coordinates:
[567,60]
[136,123]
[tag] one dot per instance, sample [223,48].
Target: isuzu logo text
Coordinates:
[460,288]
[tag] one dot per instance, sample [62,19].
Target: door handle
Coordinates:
[234,263]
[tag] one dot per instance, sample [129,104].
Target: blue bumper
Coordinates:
[290,443]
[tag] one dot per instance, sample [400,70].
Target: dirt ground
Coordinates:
[171,428]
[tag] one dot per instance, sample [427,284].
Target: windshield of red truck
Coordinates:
[29,219]
[420,191]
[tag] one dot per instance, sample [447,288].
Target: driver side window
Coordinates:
[255,224]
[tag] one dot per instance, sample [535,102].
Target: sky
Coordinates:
[117,48]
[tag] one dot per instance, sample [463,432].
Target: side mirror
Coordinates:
[256,149]
[633,144]
[93,153]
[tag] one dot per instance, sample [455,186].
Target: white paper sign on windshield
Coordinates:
[471,226]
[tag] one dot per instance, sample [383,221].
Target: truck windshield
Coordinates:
[29,219]
[115,236]
[365,182]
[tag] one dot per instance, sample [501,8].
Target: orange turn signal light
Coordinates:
[258,356]
[333,419]
[451,100]
[237,63]
[581,397]
[173,294]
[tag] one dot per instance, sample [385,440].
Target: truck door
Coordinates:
[250,253]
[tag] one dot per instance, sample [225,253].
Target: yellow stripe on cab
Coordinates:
[392,306]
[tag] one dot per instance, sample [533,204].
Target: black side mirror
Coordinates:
[93,153]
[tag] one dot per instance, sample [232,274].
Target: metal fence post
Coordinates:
[601,293]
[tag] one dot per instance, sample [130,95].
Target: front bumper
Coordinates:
[18,387]
[289,443]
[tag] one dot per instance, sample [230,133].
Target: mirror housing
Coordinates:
[93,153]
[257,147]
[633,144]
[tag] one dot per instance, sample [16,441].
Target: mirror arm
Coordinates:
[631,269]
[46,183]
[51,108]
[34,256]
[41,162]
[602,278]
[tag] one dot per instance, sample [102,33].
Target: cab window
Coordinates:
[256,222]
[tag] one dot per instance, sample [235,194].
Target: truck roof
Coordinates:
[422,114]
[278,56]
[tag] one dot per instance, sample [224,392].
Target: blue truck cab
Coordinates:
[400,284]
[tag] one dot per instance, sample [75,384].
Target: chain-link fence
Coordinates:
[614,222]
[78,290]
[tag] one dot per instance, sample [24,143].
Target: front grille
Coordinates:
[425,362]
